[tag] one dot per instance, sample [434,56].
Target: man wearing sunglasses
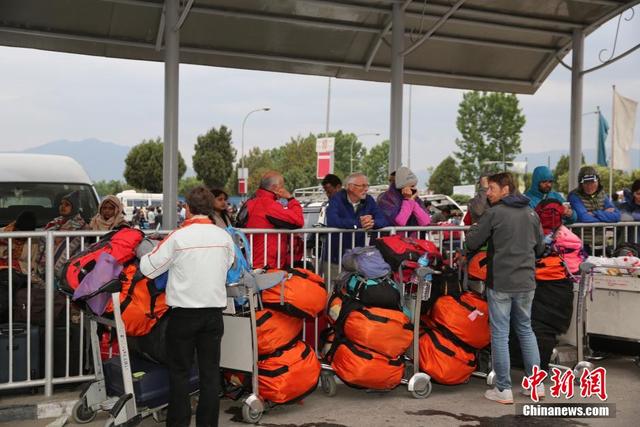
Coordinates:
[542,189]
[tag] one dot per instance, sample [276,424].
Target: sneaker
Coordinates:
[539,388]
[505,396]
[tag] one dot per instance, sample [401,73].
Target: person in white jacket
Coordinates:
[197,256]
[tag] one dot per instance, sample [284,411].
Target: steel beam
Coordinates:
[397,86]
[263,56]
[575,149]
[171,103]
[184,14]
[434,28]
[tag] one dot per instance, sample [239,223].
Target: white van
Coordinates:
[37,182]
[131,199]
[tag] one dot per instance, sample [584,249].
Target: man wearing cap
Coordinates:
[542,189]
[590,201]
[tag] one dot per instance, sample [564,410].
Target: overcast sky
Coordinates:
[46,96]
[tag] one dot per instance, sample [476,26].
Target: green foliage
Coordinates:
[444,177]
[214,156]
[296,160]
[113,187]
[490,125]
[562,166]
[461,199]
[187,184]
[143,166]
[375,164]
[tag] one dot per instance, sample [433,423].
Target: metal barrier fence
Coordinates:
[60,344]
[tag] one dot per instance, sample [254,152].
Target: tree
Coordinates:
[490,125]
[105,188]
[562,166]
[376,164]
[214,156]
[143,166]
[444,177]
[187,184]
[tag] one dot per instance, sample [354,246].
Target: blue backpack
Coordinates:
[242,262]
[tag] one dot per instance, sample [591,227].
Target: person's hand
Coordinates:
[366,221]
[282,193]
[407,192]
[610,209]
[484,182]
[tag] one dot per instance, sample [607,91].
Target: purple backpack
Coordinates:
[107,269]
[366,261]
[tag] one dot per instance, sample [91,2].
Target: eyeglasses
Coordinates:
[361,185]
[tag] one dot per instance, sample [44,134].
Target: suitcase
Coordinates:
[60,351]
[150,381]
[19,352]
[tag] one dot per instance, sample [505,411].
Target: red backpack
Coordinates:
[396,249]
[120,244]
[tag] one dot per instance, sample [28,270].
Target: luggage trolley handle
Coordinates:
[423,293]
[586,269]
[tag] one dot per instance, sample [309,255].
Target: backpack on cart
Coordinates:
[382,292]
[396,249]
[366,261]
[276,330]
[120,244]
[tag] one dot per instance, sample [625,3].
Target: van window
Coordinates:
[43,200]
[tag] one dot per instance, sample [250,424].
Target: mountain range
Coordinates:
[105,160]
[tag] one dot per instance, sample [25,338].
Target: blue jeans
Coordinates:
[507,309]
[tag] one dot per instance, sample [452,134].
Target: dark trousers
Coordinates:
[192,330]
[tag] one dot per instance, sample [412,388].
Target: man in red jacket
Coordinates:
[265,211]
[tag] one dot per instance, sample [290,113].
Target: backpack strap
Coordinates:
[137,278]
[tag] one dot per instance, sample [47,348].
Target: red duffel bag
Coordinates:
[466,316]
[276,330]
[288,374]
[362,368]
[445,361]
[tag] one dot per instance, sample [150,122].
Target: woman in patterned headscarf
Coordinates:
[109,215]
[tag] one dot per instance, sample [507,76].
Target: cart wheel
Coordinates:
[579,368]
[424,393]
[491,378]
[250,416]
[81,413]
[328,384]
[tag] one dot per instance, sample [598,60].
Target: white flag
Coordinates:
[624,123]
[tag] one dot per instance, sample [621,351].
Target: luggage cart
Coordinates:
[419,383]
[123,409]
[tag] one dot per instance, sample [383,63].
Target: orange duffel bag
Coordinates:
[551,268]
[288,374]
[363,368]
[467,317]
[142,305]
[445,361]
[477,266]
[388,332]
[276,330]
[302,294]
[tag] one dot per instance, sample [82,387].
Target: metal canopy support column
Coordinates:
[397,80]
[575,149]
[171,85]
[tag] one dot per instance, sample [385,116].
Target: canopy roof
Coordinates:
[498,45]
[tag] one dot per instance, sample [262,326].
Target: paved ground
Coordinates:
[447,406]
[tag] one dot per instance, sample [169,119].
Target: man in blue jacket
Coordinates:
[590,201]
[542,188]
[353,209]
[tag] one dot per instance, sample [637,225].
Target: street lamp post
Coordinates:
[242,143]
[351,151]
